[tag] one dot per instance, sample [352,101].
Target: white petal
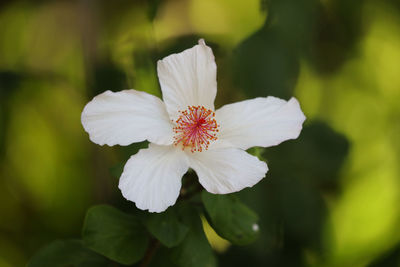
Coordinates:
[260,122]
[227,170]
[127,117]
[152,177]
[188,78]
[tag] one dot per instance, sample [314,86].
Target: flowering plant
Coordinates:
[185,131]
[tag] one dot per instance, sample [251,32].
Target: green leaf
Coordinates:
[162,257]
[114,234]
[230,218]
[166,227]
[62,253]
[194,251]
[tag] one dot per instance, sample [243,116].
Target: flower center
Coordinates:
[195,128]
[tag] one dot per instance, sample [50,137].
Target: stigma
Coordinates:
[195,128]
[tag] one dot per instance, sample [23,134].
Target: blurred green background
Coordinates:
[331,198]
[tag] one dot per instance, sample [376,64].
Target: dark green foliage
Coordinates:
[166,227]
[294,20]
[114,234]
[162,257]
[107,76]
[290,200]
[230,218]
[63,253]
[317,158]
[338,29]
[301,172]
[116,170]
[272,70]
[194,251]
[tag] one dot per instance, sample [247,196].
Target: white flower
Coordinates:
[185,132]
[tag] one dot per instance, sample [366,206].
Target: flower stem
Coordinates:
[154,244]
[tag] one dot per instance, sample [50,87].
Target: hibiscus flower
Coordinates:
[185,131]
